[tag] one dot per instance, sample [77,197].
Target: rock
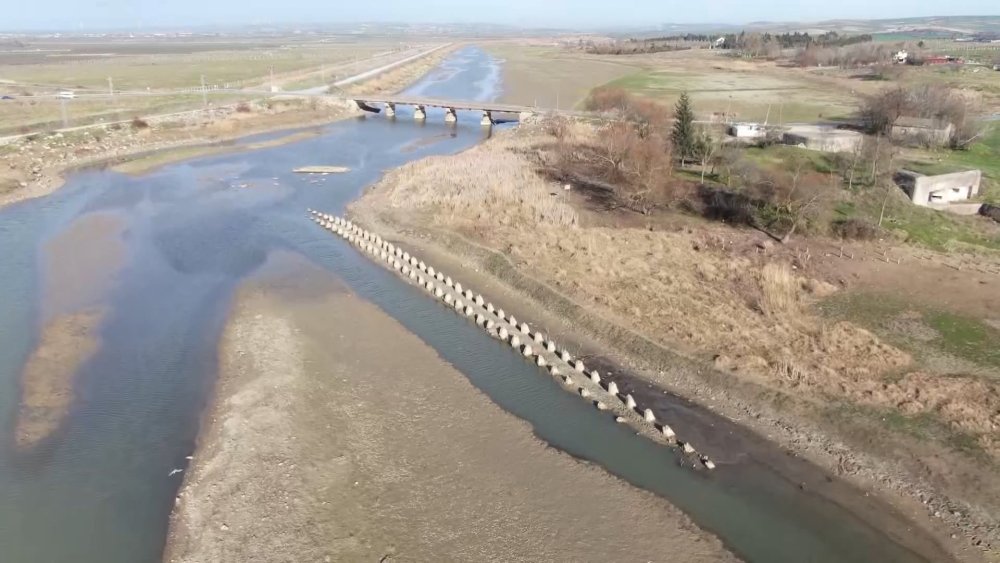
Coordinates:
[584,393]
[594,376]
[648,415]
[630,401]
[613,388]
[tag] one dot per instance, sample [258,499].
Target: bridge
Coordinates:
[387,105]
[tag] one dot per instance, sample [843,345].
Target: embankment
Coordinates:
[675,313]
[321,447]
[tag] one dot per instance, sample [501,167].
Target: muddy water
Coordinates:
[99,489]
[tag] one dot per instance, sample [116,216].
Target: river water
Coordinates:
[99,490]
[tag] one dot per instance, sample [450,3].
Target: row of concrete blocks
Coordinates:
[415,270]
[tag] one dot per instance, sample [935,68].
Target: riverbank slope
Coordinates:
[679,308]
[321,447]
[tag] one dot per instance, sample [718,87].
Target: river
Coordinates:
[99,489]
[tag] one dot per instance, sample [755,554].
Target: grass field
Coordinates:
[179,70]
[744,95]
[551,77]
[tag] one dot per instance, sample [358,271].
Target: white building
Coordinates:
[747,130]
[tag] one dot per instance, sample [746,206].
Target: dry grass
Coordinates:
[753,315]
[485,186]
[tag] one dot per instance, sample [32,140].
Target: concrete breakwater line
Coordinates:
[530,344]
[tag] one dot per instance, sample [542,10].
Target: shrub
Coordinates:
[139,123]
[854,228]
[243,107]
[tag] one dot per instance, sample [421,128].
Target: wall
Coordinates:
[920,188]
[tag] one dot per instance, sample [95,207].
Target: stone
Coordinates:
[594,375]
[648,415]
[527,351]
[612,388]
[584,393]
[687,447]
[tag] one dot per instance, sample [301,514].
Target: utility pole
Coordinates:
[272,78]
[62,107]
[204,94]
[111,87]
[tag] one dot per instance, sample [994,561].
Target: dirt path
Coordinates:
[323,447]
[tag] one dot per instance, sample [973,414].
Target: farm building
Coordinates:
[747,130]
[824,138]
[922,131]
[941,189]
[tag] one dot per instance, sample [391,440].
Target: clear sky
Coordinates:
[91,14]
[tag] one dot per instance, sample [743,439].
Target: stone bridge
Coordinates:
[450,107]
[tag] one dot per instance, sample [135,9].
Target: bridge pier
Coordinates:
[420,113]
[487,119]
[390,109]
[450,116]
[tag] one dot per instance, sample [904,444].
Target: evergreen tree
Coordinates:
[683,134]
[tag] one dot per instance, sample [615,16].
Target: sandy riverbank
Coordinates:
[322,447]
[521,253]
[78,266]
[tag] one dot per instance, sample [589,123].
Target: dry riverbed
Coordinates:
[320,446]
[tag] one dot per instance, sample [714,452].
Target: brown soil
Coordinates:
[66,342]
[322,447]
[744,317]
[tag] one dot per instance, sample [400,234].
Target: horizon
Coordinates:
[567,15]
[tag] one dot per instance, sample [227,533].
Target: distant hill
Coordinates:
[935,26]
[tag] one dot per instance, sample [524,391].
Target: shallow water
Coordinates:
[99,490]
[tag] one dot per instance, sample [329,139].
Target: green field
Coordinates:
[744,96]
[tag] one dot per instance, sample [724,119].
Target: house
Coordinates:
[939,190]
[922,131]
[824,138]
[747,130]
[901,57]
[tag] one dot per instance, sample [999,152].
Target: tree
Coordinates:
[683,135]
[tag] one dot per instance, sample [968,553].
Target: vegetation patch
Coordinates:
[919,329]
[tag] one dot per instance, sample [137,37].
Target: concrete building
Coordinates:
[922,131]
[939,190]
[747,130]
[824,138]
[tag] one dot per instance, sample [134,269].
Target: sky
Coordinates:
[138,14]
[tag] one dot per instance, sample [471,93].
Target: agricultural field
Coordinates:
[161,76]
[166,66]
